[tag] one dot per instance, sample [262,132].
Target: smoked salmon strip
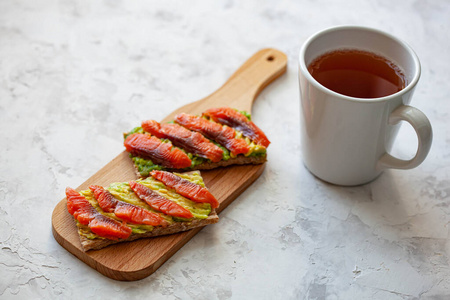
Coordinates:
[186,188]
[238,121]
[125,211]
[86,214]
[158,202]
[190,141]
[160,153]
[223,135]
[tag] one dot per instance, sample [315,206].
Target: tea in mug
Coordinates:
[357,73]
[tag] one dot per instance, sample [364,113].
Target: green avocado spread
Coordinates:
[123,192]
[145,166]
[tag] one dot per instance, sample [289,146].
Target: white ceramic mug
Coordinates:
[346,140]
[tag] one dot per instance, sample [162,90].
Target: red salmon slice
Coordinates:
[109,228]
[104,198]
[79,207]
[125,211]
[223,135]
[233,118]
[146,146]
[190,141]
[158,202]
[86,214]
[186,188]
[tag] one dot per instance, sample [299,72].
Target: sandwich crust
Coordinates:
[239,160]
[95,244]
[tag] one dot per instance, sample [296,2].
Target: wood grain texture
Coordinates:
[138,259]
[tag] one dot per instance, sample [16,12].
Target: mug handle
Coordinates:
[422,126]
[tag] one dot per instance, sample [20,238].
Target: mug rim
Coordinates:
[312,80]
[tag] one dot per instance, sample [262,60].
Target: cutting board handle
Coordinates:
[242,88]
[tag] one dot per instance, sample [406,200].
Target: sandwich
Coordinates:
[163,203]
[219,137]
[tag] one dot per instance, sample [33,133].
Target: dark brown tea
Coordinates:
[357,73]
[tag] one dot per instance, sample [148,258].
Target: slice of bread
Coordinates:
[98,243]
[239,160]
[208,165]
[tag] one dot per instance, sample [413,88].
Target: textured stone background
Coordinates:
[75,74]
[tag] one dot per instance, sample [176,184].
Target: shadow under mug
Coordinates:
[346,140]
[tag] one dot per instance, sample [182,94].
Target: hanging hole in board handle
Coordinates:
[271,58]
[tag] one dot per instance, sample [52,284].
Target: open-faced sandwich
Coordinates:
[163,203]
[220,137]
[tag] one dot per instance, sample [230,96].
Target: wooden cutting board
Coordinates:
[138,259]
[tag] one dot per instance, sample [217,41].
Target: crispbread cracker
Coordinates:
[95,244]
[239,160]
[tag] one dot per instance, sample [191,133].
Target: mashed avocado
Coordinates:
[144,166]
[123,192]
[86,232]
[134,130]
[247,114]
